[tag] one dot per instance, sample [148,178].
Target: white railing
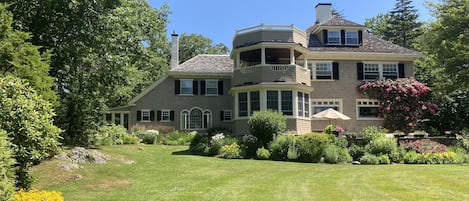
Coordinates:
[271,28]
[281,68]
[249,69]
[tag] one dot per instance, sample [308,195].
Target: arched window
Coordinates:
[196,119]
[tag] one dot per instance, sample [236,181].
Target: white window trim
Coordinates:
[347,43]
[181,87]
[263,102]
[328,37]
[339,100]
[206,87]
[183,121]
[357,107]
[231,115]
[313,68]
[296,106]
[169,115]
[149,115]
[380,68]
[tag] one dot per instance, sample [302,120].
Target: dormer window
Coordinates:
[333,37]
[351,38]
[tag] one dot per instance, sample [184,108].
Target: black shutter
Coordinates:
[335,70]
[177,86]
[152,115]
[360,71]
[324,33]
[401,70]
[222,115]
[342,36]
[158,115]
[220,87]
[195,87]
[139,115]
[360,37]
[171,115]
[202,87]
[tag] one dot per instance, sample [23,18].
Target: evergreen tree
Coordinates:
[403,26]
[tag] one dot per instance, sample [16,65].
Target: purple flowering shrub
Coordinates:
[402,101]
[424,146]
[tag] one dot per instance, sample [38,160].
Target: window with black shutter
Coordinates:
[158,115]
[401,69]
[195,87]
[139,115]
[177,86]
[152,115]
[360,37]
[342,37]
[335,70]
[324,33]
[359,71]
[202,87]
[220,87]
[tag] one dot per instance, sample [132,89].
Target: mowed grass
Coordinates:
[169,173]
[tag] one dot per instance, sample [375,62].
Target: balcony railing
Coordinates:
[272,67]
[266,27]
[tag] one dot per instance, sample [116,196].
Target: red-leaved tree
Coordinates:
[402,102]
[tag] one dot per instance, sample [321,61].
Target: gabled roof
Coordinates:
[205,64]
[371,43]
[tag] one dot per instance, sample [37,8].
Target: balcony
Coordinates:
[271,73]
[269,33]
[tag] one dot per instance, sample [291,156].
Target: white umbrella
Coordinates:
[331,114]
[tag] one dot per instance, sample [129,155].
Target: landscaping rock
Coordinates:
[98,157]
[77,177]
[62,157]
[356,163]
[68,167]
[79,155]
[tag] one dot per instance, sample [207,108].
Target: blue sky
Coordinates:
[219,19]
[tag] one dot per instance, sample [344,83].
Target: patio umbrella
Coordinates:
[331,114]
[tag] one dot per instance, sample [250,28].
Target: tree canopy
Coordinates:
[104,52]
[191,45]
[400,25]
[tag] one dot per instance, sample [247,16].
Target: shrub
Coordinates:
[369,159]
[7,173]
[311,146]
[334,154]
[28,120]
[218,129]
[372,133]
[292,153]
[263,153]
[108,135]
[424,146]
[22,195]
[357,152]
[381,146]
[384,159]
[231,151]
[249,144]
[200,144]
[279,146]
[218,141]
[266,124]
[411,157]
[149,138]
[397,155]
[178,138]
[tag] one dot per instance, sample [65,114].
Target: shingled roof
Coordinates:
[207,64]
[371,43]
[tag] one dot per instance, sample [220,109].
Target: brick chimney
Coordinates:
[174,50]
[323,12]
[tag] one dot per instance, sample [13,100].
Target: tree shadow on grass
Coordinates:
[183,152]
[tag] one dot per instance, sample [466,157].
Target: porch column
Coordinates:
[262,55]
[238,58]
[292,56]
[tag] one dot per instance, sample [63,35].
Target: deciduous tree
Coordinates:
[191,45]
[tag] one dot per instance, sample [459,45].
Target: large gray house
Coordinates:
[297,72]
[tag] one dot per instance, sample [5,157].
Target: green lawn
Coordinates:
[168,173]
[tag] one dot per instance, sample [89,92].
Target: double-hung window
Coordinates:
[186,87]
[333,37]
[165,115]
[243,104]
[367,109]
[303,104]
[211,87]
[272,100]
[320,70]
[351,38]
[254,101]
[320,105]
[145,115]
[287,102]
[379,71]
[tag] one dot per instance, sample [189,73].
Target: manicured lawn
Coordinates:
[168,173]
